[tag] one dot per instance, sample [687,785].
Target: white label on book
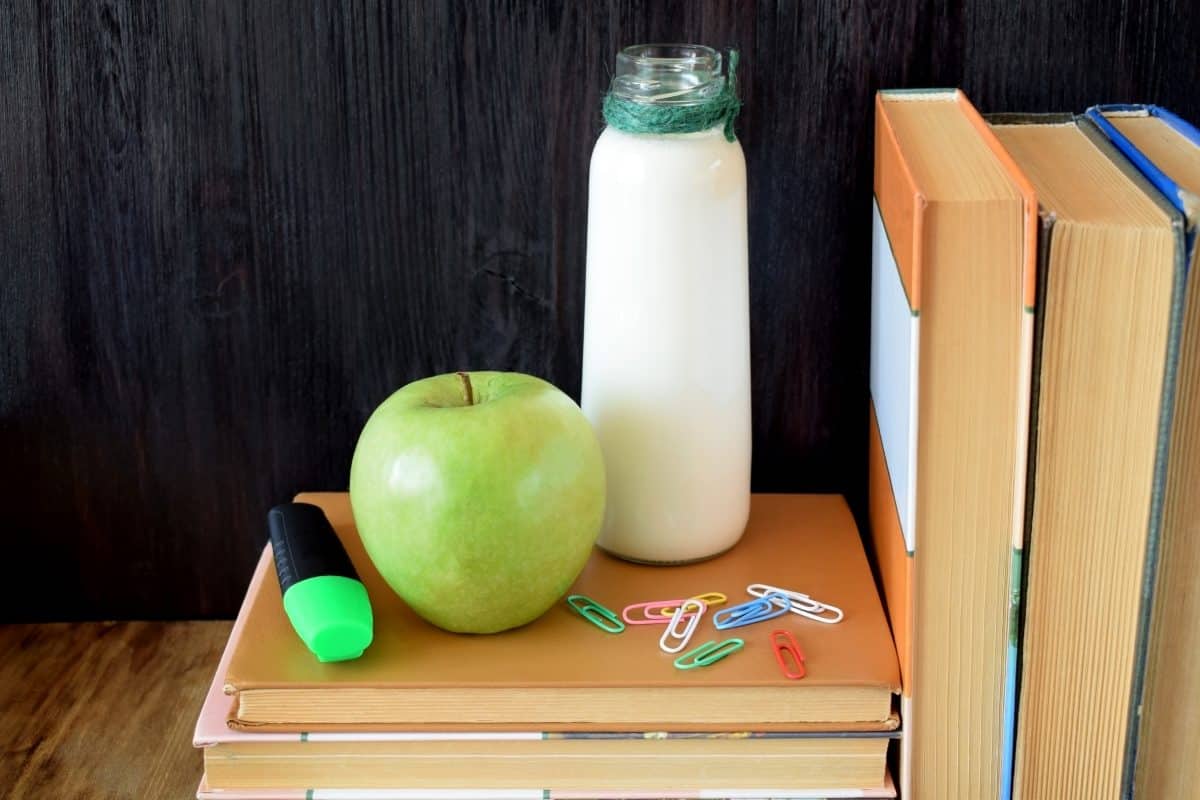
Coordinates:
[894,350]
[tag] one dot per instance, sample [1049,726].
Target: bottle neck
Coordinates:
[669,88]
[668,75]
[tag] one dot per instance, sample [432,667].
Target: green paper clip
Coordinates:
[708,653]
[595,613]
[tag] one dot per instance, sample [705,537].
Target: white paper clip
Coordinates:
[690,611]
[801,603]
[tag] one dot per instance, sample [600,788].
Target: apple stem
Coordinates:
[468,392]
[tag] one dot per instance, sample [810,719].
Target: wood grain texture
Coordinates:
[230,229]
[103,711]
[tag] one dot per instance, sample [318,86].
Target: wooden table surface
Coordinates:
[103,710]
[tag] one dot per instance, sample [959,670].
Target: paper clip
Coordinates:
[750,612]
[593,612]
[652,612]
[708,653]
[689,612]
[710,599]
[784,642]
[800,603]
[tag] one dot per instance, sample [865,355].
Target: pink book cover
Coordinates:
[203,793]
[211,726]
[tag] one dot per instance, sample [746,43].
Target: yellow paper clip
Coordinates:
[593,612]
[708,598]
[709,653]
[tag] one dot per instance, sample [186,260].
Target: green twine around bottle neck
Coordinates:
[630,116]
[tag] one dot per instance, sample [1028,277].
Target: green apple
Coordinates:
[478,497]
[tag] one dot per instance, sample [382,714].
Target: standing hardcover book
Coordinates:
[1110,326]
[1164,745]
[952,295]
[562,673]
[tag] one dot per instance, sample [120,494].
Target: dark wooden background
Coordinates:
[229,229]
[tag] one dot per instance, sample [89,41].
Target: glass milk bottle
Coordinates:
[666,349]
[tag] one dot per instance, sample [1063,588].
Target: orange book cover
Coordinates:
[808,543]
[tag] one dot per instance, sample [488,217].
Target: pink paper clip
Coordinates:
[650,612]
[784,642]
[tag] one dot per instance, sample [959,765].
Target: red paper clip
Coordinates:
[784,642]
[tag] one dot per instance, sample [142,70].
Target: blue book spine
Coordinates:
[1008,743]
[1187,202]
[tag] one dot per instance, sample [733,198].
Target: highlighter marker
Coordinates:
[322,595]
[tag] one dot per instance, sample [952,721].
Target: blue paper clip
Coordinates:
[761,609]
[593,612]
[708,653]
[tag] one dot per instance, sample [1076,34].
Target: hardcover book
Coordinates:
[1163,754]
[1113,264]
[519,761]
[561,673]
[952,296]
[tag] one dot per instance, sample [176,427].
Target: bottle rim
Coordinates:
[668,74]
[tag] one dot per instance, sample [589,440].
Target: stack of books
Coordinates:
[561,708]
[1035,446]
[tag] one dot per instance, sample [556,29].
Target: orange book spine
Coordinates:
[896,262]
